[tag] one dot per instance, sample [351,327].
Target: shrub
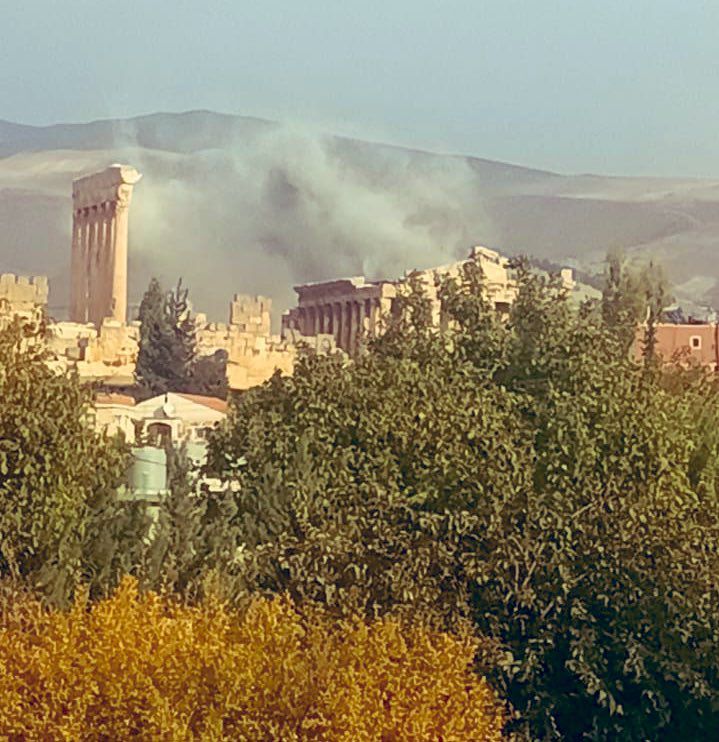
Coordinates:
[140,664]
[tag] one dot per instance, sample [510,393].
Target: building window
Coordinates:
[696,342]
[158,434]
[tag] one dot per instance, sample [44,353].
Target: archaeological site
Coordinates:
[99,338]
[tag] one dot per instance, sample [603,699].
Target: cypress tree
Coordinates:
[167,341]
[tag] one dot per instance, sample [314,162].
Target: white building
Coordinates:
[171,417]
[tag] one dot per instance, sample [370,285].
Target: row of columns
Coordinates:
[99,263]
[346,320]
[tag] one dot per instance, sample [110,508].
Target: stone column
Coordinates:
[337,323]
[109,252]
[324,319]
[367,318]
[374,317]
[101,204]
[352,336]
[92,267]
[76,272]
[354,331]
[120,230]
[84,262]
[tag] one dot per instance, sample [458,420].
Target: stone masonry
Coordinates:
[22,296]
[253,352]
[349,308]
[101,203]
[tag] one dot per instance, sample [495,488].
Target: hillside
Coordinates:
[239,204]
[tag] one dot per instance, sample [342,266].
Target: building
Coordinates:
[170,418]
[687,344]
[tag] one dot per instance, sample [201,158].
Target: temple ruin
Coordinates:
[349,308]
[101,204]
[101,345]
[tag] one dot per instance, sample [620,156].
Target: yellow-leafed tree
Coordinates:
[140,664]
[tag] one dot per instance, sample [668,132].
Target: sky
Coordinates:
[617,86]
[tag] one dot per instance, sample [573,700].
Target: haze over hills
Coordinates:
[239,204]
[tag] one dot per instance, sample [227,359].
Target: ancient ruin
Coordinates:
[253,352]
[101,345]
[101,204]
[348,309]
[22,296]
[342,309]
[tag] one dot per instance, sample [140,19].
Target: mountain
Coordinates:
[240,204]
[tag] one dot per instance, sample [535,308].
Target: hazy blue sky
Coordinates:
[623,86]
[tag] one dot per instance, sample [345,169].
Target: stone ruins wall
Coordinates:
[347,308]
[22,296]
[253,353]
[108,354]
[341,310]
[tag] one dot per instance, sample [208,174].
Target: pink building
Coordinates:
[689,344]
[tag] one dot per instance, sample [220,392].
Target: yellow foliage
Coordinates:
[143,665]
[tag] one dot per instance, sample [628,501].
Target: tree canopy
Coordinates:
[526,475]
[58,477]
[521,475]
[167,358]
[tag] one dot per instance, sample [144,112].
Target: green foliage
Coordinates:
[209,376]
[523,473]
[57,476]
[167,359]
[633,296]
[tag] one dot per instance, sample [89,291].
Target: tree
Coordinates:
[209,375]
[180,321]
[656,298]
[58,477]
[154,371]
[142,665]
[623,298]
[167,359]
[527,474]
[632,296]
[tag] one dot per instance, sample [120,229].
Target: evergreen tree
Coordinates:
[209,375]
[182,325]
[656,299]
[167,360]
[623,298]
[153,359]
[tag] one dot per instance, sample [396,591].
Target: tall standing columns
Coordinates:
[101,203]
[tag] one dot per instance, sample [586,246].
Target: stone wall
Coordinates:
[107,355]
[24,297]
[253,353]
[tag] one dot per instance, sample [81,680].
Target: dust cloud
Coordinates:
[288,206]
